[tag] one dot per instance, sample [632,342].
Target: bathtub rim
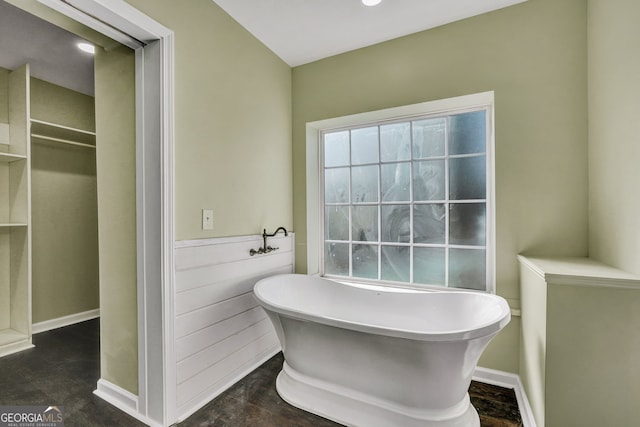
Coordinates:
[488,328]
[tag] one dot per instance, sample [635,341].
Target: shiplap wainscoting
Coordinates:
[221,332]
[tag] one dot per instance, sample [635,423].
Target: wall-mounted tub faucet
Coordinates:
[266,249]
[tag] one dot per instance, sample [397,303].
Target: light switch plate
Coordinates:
[207,219]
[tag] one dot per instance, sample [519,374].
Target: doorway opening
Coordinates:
[153,231]
[50,114]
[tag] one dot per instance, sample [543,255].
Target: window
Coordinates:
[407,201]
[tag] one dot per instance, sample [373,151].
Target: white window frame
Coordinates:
[315,185]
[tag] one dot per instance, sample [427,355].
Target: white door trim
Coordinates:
[153,45]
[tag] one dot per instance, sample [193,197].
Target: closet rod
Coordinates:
[63,141]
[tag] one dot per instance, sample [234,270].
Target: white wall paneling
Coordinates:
[221,333]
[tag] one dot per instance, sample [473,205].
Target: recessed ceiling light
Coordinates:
[86,47]
[371,2]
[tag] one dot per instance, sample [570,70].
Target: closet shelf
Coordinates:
[63,141]
[64,134]
[12,224]
[61,127]
[10,157]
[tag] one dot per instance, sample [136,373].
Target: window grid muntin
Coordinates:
[488,237]
[447,207]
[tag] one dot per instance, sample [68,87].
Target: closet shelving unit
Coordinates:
[16,228]
[47,132]
[15,218]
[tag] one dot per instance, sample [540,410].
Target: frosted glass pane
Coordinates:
[467,222]
[467,133]
[396,182]
[428,180]
[364,181]
[336,149]
[395,263]
[336,222]
[467,178]
[364,145]
[429,266]
[395,223]
[336,185]
[336,258]
[365,261]
[467,268]
[395,142]
[428,138]
[365,224]
[429,223]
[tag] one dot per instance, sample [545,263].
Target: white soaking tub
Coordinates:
[377,356]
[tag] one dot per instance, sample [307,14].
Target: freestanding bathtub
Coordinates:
[376,356]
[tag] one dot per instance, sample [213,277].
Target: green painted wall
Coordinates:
[534,56]
[580,346]
[232,151]
[593,348]
[232,123]
[614,133]
[53,103]
[580,342]
[64,216]
[63,208]
[116,172]
[233,134]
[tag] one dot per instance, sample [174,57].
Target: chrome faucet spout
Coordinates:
[266,249]
[278,229]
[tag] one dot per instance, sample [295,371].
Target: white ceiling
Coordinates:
[302,31]
[298,31]
[50,51]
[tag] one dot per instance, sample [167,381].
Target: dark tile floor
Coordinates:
[63,370]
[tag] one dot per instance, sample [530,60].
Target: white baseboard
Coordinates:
[59,322]
[122,399]
[15,347]
[508,380]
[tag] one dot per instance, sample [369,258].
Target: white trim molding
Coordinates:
[155,228]
[86,19]
[63,321]
[8,349]
[508,380]
[580,271]
[122,399]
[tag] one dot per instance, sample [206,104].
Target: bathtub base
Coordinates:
[351,408]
